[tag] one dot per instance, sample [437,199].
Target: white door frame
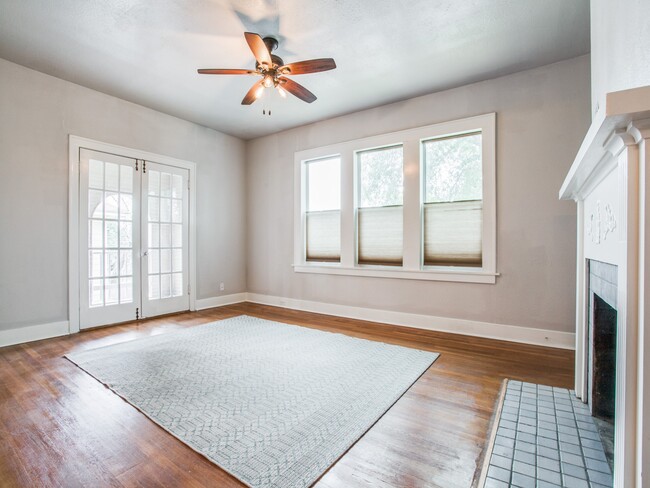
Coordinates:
[75,144]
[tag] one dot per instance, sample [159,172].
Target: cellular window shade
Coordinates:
[323,236]
[380,235]
[452,233]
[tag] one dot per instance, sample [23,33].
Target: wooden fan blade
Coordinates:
[227,72]
[297,89]
[261,53]
[310,66]
[252,94]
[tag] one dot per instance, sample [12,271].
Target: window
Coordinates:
[453,201]
[379,212]
[323,210]
[414,204]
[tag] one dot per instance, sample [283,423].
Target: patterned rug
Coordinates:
[275,405]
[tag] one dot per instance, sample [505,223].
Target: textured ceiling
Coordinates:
[147,51]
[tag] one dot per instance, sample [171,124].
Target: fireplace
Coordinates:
[608,180]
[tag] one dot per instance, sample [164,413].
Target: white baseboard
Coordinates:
[55,329]
[512,333]
[525,335]
[33,333]
[202,304]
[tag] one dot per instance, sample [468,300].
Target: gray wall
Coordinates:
[542,116]
[37,112]
[620,46]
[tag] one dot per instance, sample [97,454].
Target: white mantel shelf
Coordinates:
[621,109]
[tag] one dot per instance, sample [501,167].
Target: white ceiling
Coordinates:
[147,51]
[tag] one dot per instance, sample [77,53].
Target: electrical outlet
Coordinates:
[222,287]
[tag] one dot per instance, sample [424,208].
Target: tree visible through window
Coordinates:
[379,213]
[453,201]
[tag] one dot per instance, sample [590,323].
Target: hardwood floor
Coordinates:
[60,427]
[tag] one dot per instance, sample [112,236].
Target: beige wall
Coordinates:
[37,112]
[620,46]
[542,116]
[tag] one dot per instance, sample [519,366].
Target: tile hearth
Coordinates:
[546,438]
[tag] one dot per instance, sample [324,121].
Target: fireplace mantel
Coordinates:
[608,180]
[625,113]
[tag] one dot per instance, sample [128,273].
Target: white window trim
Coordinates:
[412,264]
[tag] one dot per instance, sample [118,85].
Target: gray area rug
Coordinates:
[273,404]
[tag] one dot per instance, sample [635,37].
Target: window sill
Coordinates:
[462,276]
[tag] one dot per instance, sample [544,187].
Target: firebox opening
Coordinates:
[603,396]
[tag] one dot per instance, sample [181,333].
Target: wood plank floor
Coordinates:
[60,427]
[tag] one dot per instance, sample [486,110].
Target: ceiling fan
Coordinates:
[273,70]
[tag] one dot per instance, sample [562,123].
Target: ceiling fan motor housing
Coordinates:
[271,43]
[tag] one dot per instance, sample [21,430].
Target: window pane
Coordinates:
[126,263]
[165,185]
[154,287]
[154,235]
[96,292]
[154,182]
[126,204]
[177,210]
[126,179]
[177,260]
[165,235]
[111,206]
[95,264]
[381,177]
[453,210]
[96,229]
[177,186]
[111,239]
[165,260]
[165,286]
[95,205]
[154,261]
[453,169]
[112,178]
[177,235]
[323,184]
[126,290]
[111,291]
[126,239]
[165,209]
[111,265]
[154,209]
[177,284]
[95,174]
[323,215]
[379,216]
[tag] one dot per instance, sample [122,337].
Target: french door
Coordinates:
[165,258]
[134,237]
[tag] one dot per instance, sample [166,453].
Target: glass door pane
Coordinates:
[109,223]
[166,211]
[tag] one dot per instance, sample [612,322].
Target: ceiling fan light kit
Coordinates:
[273,70]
